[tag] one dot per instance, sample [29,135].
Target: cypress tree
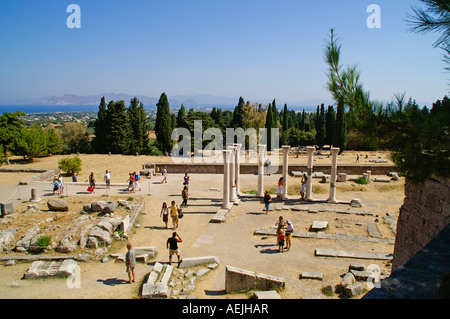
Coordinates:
[120,130]
[163,125]
[100,142]
[285,118]
[330,124]
[321,128]
[182,117]
[340,129]
[269,121]
[238,114]
[138,122]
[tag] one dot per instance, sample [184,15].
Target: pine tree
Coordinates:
[163,125]
[268,126]
[340,129]
[102,127]
[120,133]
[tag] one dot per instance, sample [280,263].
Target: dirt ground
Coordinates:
[233,242]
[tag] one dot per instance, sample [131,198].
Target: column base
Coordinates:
[227,206]
[332,201]
[285,197]
[260,195]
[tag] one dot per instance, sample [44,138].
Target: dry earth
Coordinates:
[233,241]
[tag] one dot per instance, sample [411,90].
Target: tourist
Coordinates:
[92,183]
[61,184]
[164,173]
[186,179]
[130,262]
[280,224]
[107,178]
[174,214]
[131,183]
[303,187]
[267,165]
[357,158]
[74,178]
[185,196]
[56,186]
[136,181]
[280,238]
[164,213]
[172,245]
[267,200]
[280,188]
[289,232]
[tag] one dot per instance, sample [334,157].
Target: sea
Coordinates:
[29,109]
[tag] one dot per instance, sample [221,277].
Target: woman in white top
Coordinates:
[165,213]
[289,230]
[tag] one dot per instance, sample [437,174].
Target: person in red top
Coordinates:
[131,184]
[281,240]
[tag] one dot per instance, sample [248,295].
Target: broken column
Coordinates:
[310,150]
[35,195]
[226,179]
[334,154]
[286,149]
[261,154]
[233,195]
[237,163]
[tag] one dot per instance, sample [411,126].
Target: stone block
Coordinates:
[361,275]
[354,290]
[268,282]
[357,266]
[271,294]
[155,291]
[6,208]
[197,261]
[58,205]
[348,280]
[311,275]
[202,272]
[68,268]
[319,225]
[237,279]
[167,273]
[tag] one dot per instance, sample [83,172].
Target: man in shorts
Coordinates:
[172,245]
[130,261]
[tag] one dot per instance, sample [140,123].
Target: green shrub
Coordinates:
[70,165]
[362,181]
[43,241]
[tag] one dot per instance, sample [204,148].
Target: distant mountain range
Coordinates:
[175,101]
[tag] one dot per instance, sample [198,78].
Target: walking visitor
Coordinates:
[164,213]
[267,200]
[91,188]
[164,173]
[107,178]
[185,196]
[174,214]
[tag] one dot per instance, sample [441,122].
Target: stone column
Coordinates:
[233,195]
[308,195]
[237,162]
[334,154]
[286,149]
[226,179]
[261,155]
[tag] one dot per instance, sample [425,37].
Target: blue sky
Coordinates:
[256,49]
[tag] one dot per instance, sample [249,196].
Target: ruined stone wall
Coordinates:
[247,168]
[425,212]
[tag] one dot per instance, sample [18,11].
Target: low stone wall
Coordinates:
[42,174]
[250,168]
[425,212]
[237,279]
